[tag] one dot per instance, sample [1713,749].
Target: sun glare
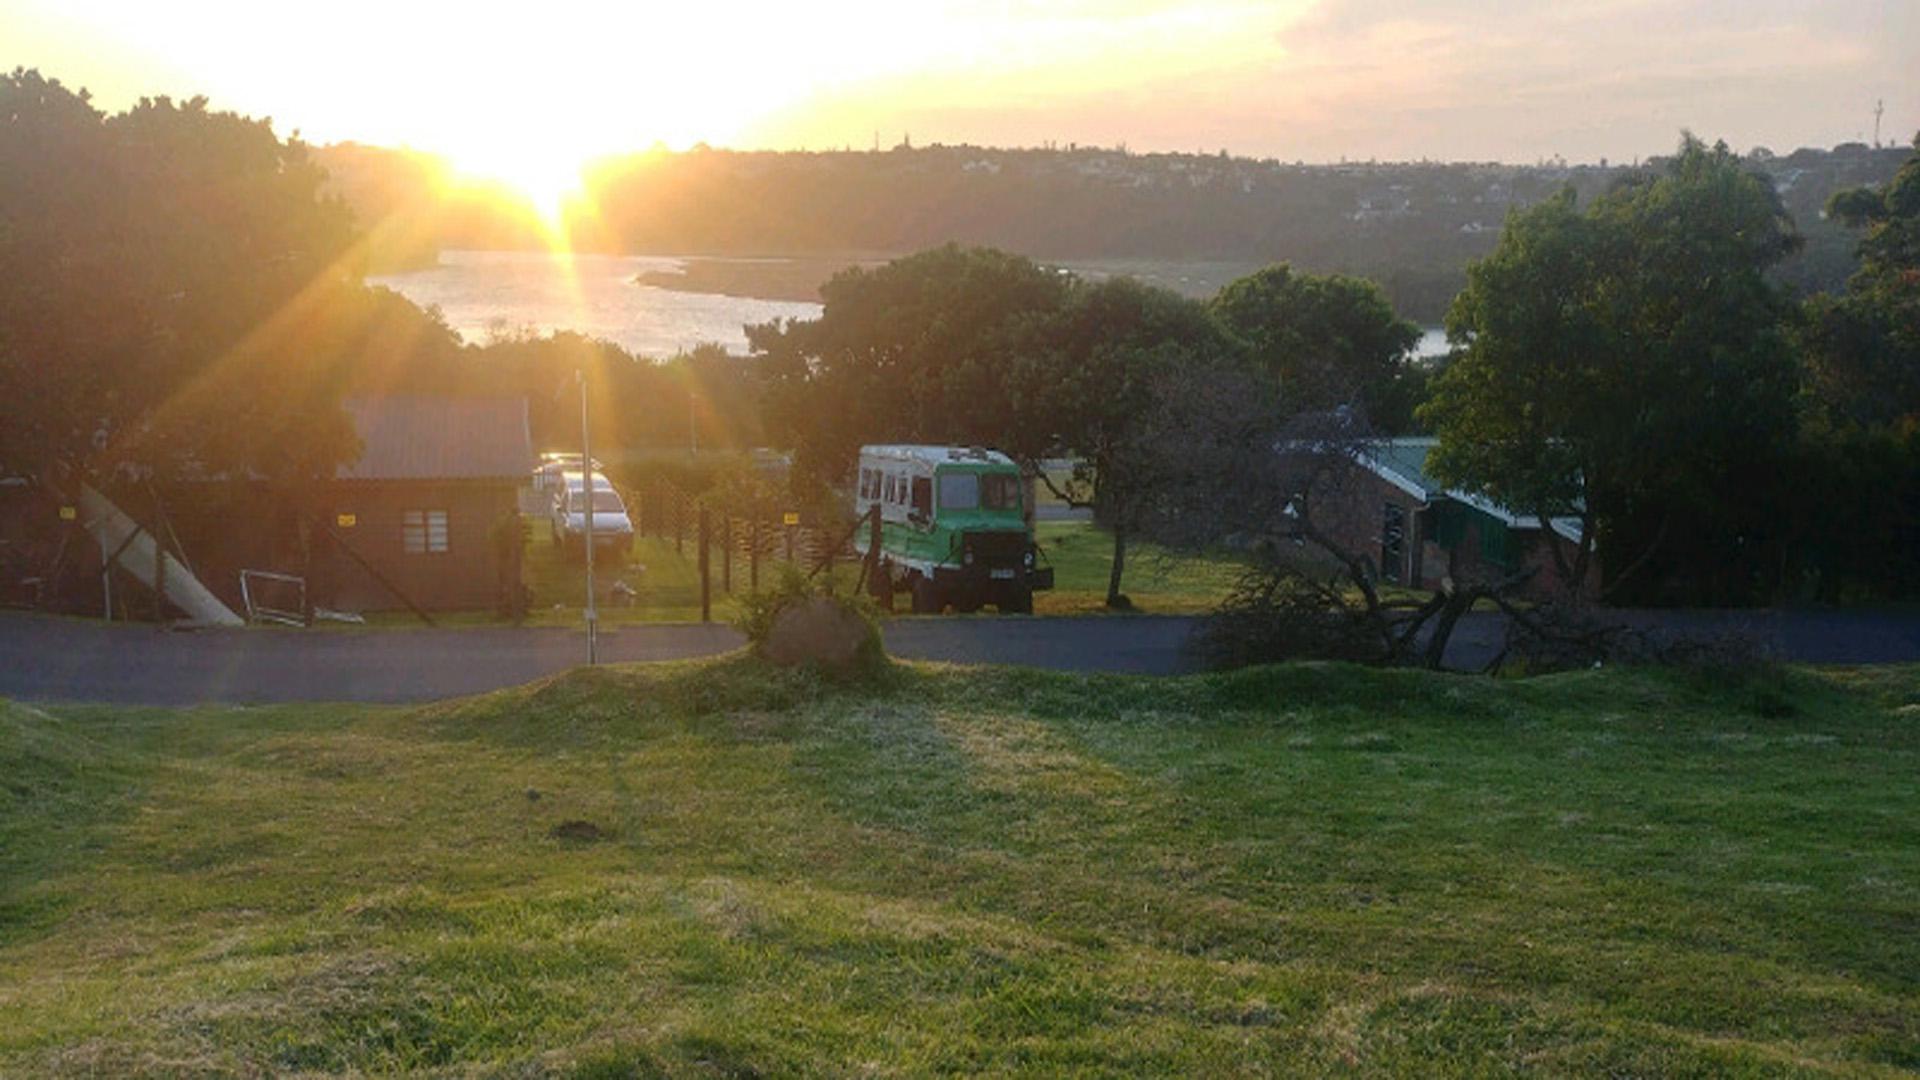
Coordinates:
[549,181]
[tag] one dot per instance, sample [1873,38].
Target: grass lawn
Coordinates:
[715,868]
[1156,580]
[666,582]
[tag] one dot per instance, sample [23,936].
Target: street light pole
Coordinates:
[586,485]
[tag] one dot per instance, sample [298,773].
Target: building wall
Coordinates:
[1546,581]
[1351,507]
[464,577]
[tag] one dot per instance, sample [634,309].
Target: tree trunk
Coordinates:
[1114,598]
[1457,605]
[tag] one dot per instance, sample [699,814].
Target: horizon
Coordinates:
[1315,82]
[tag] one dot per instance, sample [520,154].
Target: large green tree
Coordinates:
[923,349]
[166,276]
[1863,347]
[1095,385]
[972,345]
[1629,365]
[1331,341]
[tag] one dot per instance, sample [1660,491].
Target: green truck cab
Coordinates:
[954,527]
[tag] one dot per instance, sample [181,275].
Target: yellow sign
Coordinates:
[789,518]
[69,513]
[346,521]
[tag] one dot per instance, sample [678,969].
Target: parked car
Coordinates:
[612,529]
[556,464]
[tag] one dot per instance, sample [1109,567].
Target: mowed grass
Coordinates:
[716,868]
[665,580]
[1156,580]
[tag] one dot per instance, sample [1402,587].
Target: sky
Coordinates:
[515,90]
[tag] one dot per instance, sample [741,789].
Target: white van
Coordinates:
[612,529]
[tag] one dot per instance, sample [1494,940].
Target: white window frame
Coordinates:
[418,535]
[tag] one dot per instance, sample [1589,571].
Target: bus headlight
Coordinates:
[1029,558]
[967,557]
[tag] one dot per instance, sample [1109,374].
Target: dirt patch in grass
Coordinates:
[578,831]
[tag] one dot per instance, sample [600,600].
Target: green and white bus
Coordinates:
[953,527]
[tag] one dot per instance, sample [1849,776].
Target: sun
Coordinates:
[549,178]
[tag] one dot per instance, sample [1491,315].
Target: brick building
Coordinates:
[1387,507]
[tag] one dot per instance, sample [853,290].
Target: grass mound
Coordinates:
[55,783]
[721,866]
[43,763]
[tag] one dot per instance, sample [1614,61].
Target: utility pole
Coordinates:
[1879,106]
[586,477]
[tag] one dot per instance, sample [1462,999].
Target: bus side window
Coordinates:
[889,487]
[923,496]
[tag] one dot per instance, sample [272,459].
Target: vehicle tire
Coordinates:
[1017,600]
[968,601]
[926,596]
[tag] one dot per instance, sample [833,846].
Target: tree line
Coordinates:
[1627,361]
[1413,227]
[181,297]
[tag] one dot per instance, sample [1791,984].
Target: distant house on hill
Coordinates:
[1415,527]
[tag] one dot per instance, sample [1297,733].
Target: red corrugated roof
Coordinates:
[431,438]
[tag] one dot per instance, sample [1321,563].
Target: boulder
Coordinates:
[823,632]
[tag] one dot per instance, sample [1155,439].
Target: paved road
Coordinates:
[44,658]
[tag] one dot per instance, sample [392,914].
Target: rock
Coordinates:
[823,632]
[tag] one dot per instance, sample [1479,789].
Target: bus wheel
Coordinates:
[1016,601]
[968,601]
[926,597]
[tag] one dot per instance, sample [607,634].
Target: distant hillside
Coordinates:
[1411,226]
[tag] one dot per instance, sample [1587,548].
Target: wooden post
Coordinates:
[726,553]
[753,554]
[706,579]
[877,579]
[789,529]
[159,578]
[679,524]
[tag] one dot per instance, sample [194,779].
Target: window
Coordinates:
[423,532]
[959,491]
[889,487]
[1393,543]
[923,496]
[1000,491]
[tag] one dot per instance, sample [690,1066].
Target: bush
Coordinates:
[1282,614]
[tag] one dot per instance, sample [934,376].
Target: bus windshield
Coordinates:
[976,491]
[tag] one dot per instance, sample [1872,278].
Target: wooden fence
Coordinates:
[738,544]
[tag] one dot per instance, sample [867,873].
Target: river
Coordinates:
[482,293]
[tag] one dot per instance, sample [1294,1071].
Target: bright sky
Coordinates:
[526,91]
